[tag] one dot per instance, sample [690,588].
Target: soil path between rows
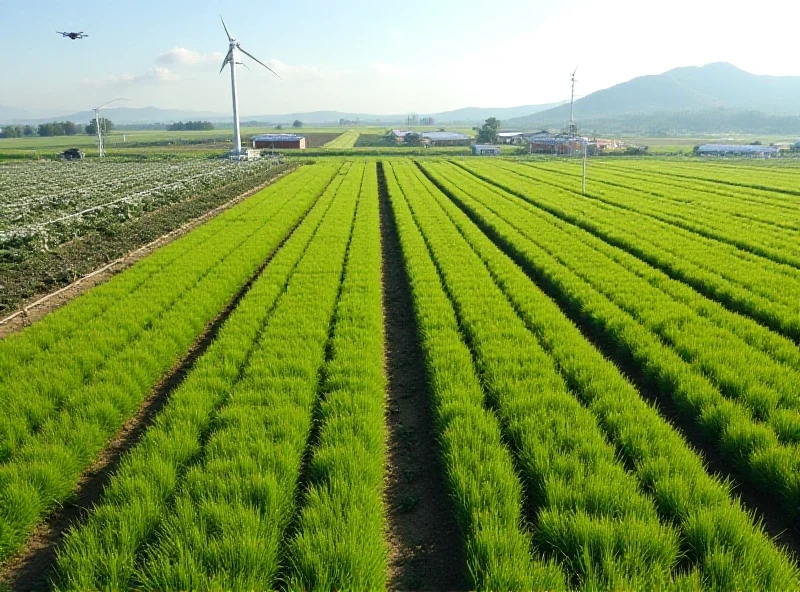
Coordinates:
[425,544]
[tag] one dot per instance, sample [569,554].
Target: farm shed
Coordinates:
[279,141]
[512,137]
[400,135]
[485,150]
[755,151]
[446,139]
[561,144]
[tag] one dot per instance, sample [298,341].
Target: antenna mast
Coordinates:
[572,129]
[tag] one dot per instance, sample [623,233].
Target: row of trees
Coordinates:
[190,126]
[55,128]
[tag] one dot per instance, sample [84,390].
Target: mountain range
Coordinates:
[715,98]
[145,115]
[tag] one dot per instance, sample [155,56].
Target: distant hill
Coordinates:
[687,100]
[481,114]
[146,115]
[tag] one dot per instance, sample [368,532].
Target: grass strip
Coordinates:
[589,511]
[486,491]
[102,552]
[230,515]
[339,544]
[44,470]
[719,535]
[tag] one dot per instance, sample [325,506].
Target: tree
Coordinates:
[489,130]
[70,129]
[297,123]
[279,126]
[412,139]
[29,131]
[91,129]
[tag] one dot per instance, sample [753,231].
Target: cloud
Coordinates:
[306,73]
[180,56]
[155,75]
[389,70]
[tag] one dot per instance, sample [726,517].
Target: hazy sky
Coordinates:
[371,56]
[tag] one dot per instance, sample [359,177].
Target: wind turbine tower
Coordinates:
[231,58]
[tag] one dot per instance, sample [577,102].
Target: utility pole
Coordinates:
[585,154]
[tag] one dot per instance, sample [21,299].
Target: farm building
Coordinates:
[485,150]
[561,144]
[755,151]
[400,135]
[279,141]
[512,137]
[446,139]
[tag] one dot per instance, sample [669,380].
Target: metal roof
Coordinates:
[735,148]
[510,134]
[445,136]
[547,138]
[277,137]
[485,147]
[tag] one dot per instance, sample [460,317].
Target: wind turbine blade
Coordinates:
[260,62]
[575,70]
[225,61]
[226,29]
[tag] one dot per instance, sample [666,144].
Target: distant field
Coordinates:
[345,141]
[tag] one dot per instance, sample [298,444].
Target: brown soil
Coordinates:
[32,568]
[32,312]
[426,548]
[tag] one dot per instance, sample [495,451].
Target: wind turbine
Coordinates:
[100,152]
[231,58]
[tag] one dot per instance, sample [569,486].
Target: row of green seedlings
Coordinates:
[232,511]
[757,205]
[719,204]
[706,219]
[782,184]
[718,537]
[587,511]
[339,541]
[742,244]
[742,372]
[101,303]
[745,329]
[210,510]
[484,487]
[41,384]
[77,414]
[743,282]
[662,177]
[763,390]
[668,374]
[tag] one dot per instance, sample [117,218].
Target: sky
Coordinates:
[370,56]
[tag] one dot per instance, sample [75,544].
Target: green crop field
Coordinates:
[587,391]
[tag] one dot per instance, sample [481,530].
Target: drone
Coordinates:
[73,36]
